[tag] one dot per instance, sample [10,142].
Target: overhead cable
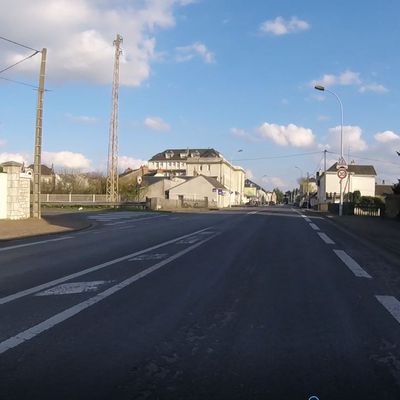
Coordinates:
[19,62]
[18,44]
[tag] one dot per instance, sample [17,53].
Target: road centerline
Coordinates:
[325,238]
[392,305]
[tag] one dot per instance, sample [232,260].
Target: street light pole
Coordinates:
[342,161]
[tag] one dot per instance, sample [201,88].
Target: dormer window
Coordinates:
[169,154]
[195,154]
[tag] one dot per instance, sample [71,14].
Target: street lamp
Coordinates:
[342,161]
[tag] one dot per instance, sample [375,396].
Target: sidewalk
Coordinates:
[54,223]
[381,232]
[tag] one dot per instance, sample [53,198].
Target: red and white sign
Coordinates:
[342,173]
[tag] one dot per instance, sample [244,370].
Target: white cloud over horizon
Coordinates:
[280,26]
[386,137]
[125,162]
[187,53]
[66,159]
[373,87]
[352,139]
[346,78]
[242,134]
[83,119]
[18,157]
[289,135]
[80,39]
[156,124]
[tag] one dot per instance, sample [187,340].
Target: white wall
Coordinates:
[364,183]
[3,195]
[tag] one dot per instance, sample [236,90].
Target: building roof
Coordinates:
[214,181]
[11,164]
[383,190]
[249,183]
[175,154]
[44,169]
[356,169]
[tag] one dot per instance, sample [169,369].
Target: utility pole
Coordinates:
[36,210]
[324,195]
[112,168]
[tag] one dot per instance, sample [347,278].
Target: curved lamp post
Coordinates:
[322,88]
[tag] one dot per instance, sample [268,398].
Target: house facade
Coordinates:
[359,177]
[207,162]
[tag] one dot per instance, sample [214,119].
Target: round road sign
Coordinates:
[342,173]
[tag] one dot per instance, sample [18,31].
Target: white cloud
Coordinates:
[280,26]
[84,119]
[386,137]
[249,174]
[187,53]
[291,134]
[352,138]
[241,133]
[66,159]
[323,118]
[346,78]
[79,36]
[125,162]
[275,181]
[156,124]
[18,157]
[374,87]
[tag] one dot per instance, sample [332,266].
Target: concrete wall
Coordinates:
[17,192]
[3,195]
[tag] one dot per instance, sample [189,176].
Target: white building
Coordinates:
[359,177]
[206,162]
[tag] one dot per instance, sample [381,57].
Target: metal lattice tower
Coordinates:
[112,168]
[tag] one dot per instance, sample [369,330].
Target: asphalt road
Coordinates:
[262,303]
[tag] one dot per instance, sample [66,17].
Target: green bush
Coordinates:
[370,201]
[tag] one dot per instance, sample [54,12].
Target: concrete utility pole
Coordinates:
[112,168]
[36,210]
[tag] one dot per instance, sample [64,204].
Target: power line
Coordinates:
[368,159]
[23,83]
[18,44]
[19,62]
[276,157]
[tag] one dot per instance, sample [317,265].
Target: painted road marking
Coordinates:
[73,288]
[307,219]
[145,257]
[315,227]
[325,238]
[391,304]
[133,220]
[46,285]
[30,333]
[352,264]
[252,212]
[34,243]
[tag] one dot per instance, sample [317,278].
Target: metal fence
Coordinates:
[368,211]
[73,198]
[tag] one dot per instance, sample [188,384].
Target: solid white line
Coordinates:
[325,238]
[352,264]
[252,212]
[70,312]
[391,304]
[315,227]
[34,243]
[38,288]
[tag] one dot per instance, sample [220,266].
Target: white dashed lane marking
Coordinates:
[352,264]
[325,238]
[315,227]
[391,304]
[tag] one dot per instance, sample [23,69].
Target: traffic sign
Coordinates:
[342,173]
[341,163]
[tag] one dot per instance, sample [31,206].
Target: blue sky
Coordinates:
[226,74]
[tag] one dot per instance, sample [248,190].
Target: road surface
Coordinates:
[263,303]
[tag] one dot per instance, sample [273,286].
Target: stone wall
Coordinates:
[17,192]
